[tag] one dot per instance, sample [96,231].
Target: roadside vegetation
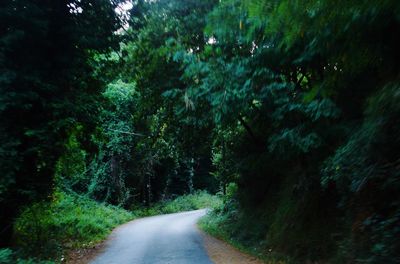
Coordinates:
[225,222]
[221,225]
[187,202]
[49,229]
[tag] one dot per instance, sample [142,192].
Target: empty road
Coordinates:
[165,239]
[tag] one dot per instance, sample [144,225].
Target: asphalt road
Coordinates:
[165,239]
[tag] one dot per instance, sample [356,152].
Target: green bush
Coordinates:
[197,200]
[7,256]
[45,229]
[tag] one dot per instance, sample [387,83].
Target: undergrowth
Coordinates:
[8,256]
[188,202]
[46,229]
[242,230]
[280,229]
[219,225]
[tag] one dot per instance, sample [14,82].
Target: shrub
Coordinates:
[5,255]
[197,200]
[45,229]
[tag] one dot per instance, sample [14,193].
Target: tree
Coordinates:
[46,89]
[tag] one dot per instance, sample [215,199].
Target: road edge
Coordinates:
[222,252]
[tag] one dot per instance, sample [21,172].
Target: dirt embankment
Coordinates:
[222,253]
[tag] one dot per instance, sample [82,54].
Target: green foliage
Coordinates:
[71,166]
[367,164]
[45,229]
[7,256]
[143,144]
[287,84]
[224,224]
[197,200]
[291,107]
[47,89]
[116,143]
[194,201]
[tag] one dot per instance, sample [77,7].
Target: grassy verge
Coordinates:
[47,229]
[221,225]
[197,200]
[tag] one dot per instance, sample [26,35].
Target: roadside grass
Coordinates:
[188,202]
[219,223]
[47,229]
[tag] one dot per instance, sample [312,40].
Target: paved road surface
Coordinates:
[165,239]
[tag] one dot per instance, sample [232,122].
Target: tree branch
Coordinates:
[248,129]
[126,132]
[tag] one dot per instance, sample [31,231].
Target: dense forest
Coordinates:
[287,110]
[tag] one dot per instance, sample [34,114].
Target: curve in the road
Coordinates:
[165,239]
